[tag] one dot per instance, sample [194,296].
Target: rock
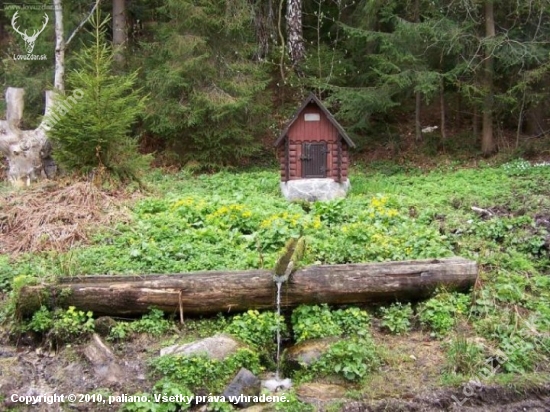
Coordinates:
[106,367]
[103,325]
[309,392]
[314,189]
[217,347]
[307,352]
[244,383]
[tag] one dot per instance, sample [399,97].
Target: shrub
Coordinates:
[351,359]
[293,404]
[199,372]
[67,324]
[311,322]
[152,323]
[396,318]
[257,329]
[42,320]
[352,321]
[440,312]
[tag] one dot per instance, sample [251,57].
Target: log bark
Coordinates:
[236,291]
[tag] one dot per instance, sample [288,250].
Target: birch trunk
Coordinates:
[295,39]
[59,76]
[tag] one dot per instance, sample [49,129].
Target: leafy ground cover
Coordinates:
[239,221]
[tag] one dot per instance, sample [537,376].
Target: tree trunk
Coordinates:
[487,138]
[120,32]
[212,292]
[264,26]
[475,122]
[295,39]
[418,96]
[22,148]
[59,76]
[417,122]
[537,116]
[442,109]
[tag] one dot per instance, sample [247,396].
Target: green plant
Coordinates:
[311,322]
[219,407]
[257,329]
[42,320]
[71,323]
[119,331]
[352,359]
[440,313]
[206,327]
[293,404]
[352,321]
[6,274]
[152,323]
[162,399]
[200,372]
[330,213]
[519,355]
[93,134]
[397,318]
[464,357]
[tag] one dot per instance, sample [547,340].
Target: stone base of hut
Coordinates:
[321,189]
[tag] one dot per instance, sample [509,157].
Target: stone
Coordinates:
[305,353]
[217,347]
[106,368]
[318,189]
[244,383]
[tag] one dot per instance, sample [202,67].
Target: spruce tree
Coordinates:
[90,127]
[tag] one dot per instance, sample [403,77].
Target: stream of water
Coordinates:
[279,283]
[277,383]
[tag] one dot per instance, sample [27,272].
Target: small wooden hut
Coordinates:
[313,147]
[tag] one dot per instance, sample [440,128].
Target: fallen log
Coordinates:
[237,291]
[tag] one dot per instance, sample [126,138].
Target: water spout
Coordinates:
[279,279]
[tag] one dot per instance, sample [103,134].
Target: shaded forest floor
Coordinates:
[238,221]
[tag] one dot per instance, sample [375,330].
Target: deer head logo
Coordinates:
[29,40]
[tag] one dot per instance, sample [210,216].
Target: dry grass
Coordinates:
[55,217]
[413,364]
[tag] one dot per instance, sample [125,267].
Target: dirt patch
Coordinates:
[39,371]
[484,399]
[412,364]
[51,216]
